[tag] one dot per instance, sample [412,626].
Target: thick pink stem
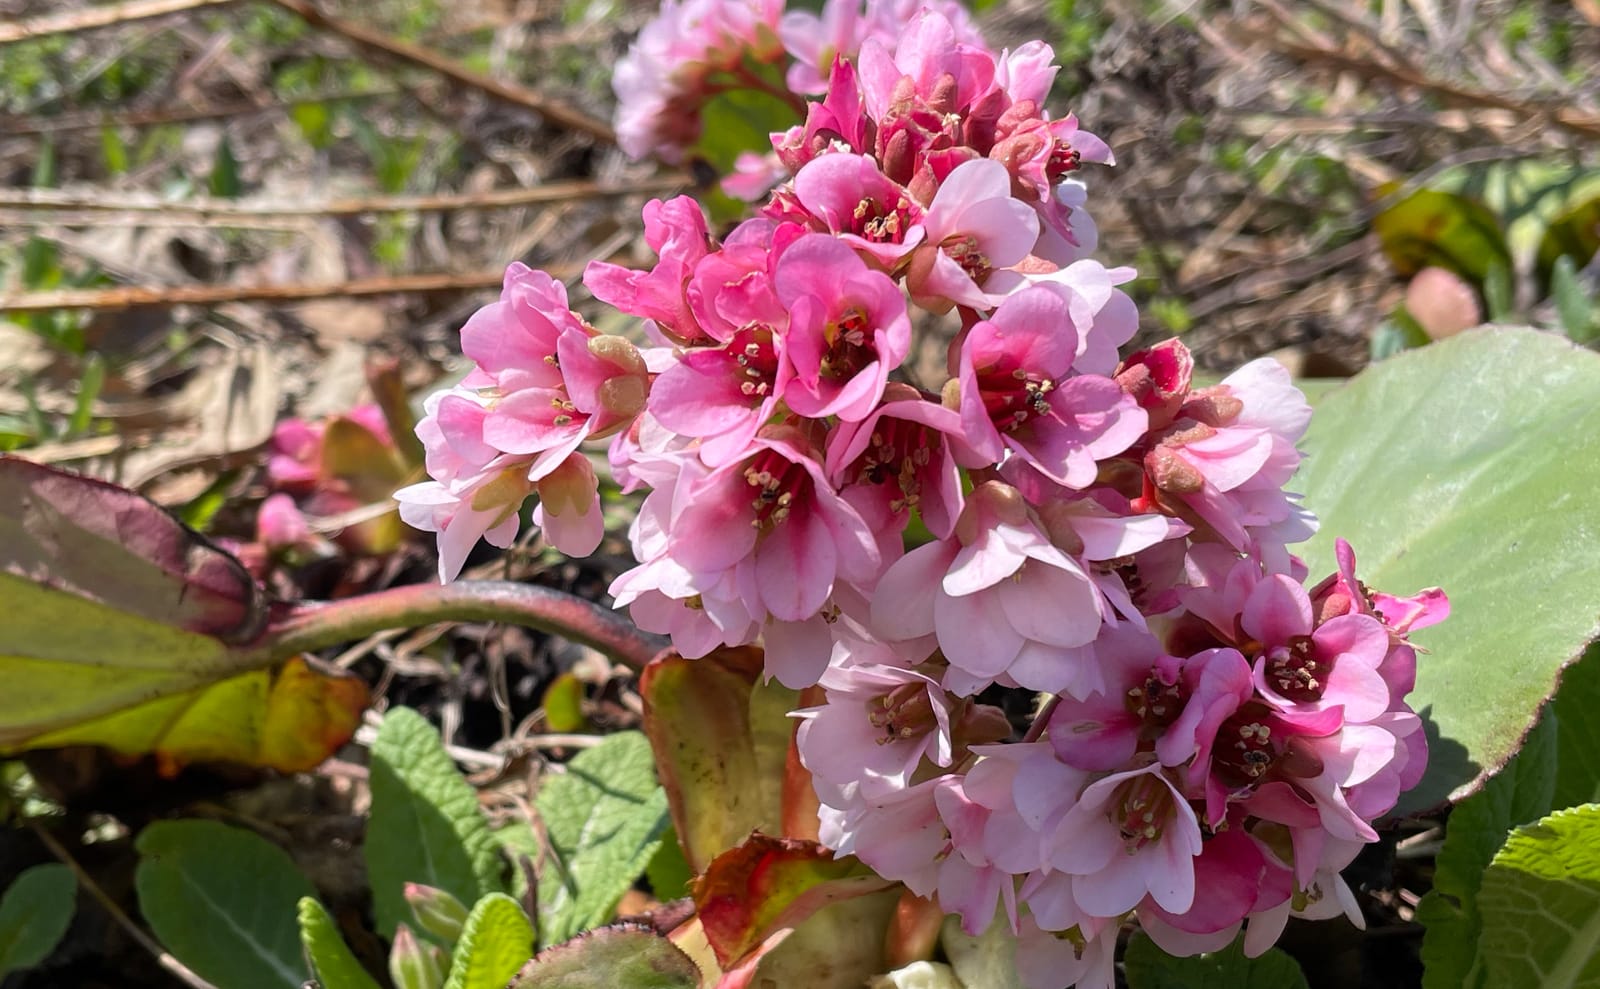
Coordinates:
[313,625]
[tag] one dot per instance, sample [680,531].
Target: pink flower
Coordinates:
[1146,695]
[973,228]
[722,395]
[1018,393]
[897,461]
[483,506]
[1130,835]
[676,231]
[848,329]
[1000,600]
[851,198]
[1303,668]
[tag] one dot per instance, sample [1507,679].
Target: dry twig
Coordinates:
[73,21]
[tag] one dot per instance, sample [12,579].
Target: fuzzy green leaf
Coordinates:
[1149,967]
[604,818]
[1470,464]
[496,941]
[1519,793]
[425,825]
[333,964]
[1541,904]
[224,901]
[34,915]
[609,957]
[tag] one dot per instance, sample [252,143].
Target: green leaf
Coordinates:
[669,871]
[315,123]
[1149,967]
[563,704]
[624,955]
[1430,227]
[1399,332]
[332,962]
[1575,233]
[1541,904]
[1577,711]
[118,633]
[496,941]
[113,151]
[34,915]
[224,181]
[224,901]
[1470,464]
[1519,793]
[425,824]
[89,384]
[740,120]
[604,818]
[1497,292]
[1573,304]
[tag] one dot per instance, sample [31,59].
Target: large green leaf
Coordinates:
[34,914]
[119,631]
[1541,904]
[603,818]
[425,824]
[224,901]
[496,941]
[1149,967]
[1471,464]
[332,961]
[1518,794]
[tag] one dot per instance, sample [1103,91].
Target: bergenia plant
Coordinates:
[1214,734]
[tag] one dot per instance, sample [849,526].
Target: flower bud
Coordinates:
[413,964]
[436,911]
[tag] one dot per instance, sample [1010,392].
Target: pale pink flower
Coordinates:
[848,328]
[973,228]
[1019,393]
[1130,835]
[849,197]
[1082,956]
[1000,600]
[676,231]
[897,461]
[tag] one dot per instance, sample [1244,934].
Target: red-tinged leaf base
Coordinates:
[767,884]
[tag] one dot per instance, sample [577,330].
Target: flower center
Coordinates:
[966,252]
[882,223]
[778,482]
[752,349]
[899,450]
[1245,750]
[1064,158]
[1140,809]
[849,346]
[1014,396]
[1296,670]
[1155,702]
[904,712]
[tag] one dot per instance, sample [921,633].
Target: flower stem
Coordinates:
[313,625]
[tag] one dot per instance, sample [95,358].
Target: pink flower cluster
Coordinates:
[1213,739]
[694,50]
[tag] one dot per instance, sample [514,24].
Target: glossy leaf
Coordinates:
[1518,794]
[604,819]
[697,716]
[1575,233]
[1148,967]
[35,912]
[766,884]
[332,962]
[121,633]
[224,901]
[496,941]
[609,957]
[1470,464]
[1442,229]
[425,825]
[1541,904]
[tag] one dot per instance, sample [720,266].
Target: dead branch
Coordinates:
[215,209]
[96,17]
[395,49]
[132,297]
